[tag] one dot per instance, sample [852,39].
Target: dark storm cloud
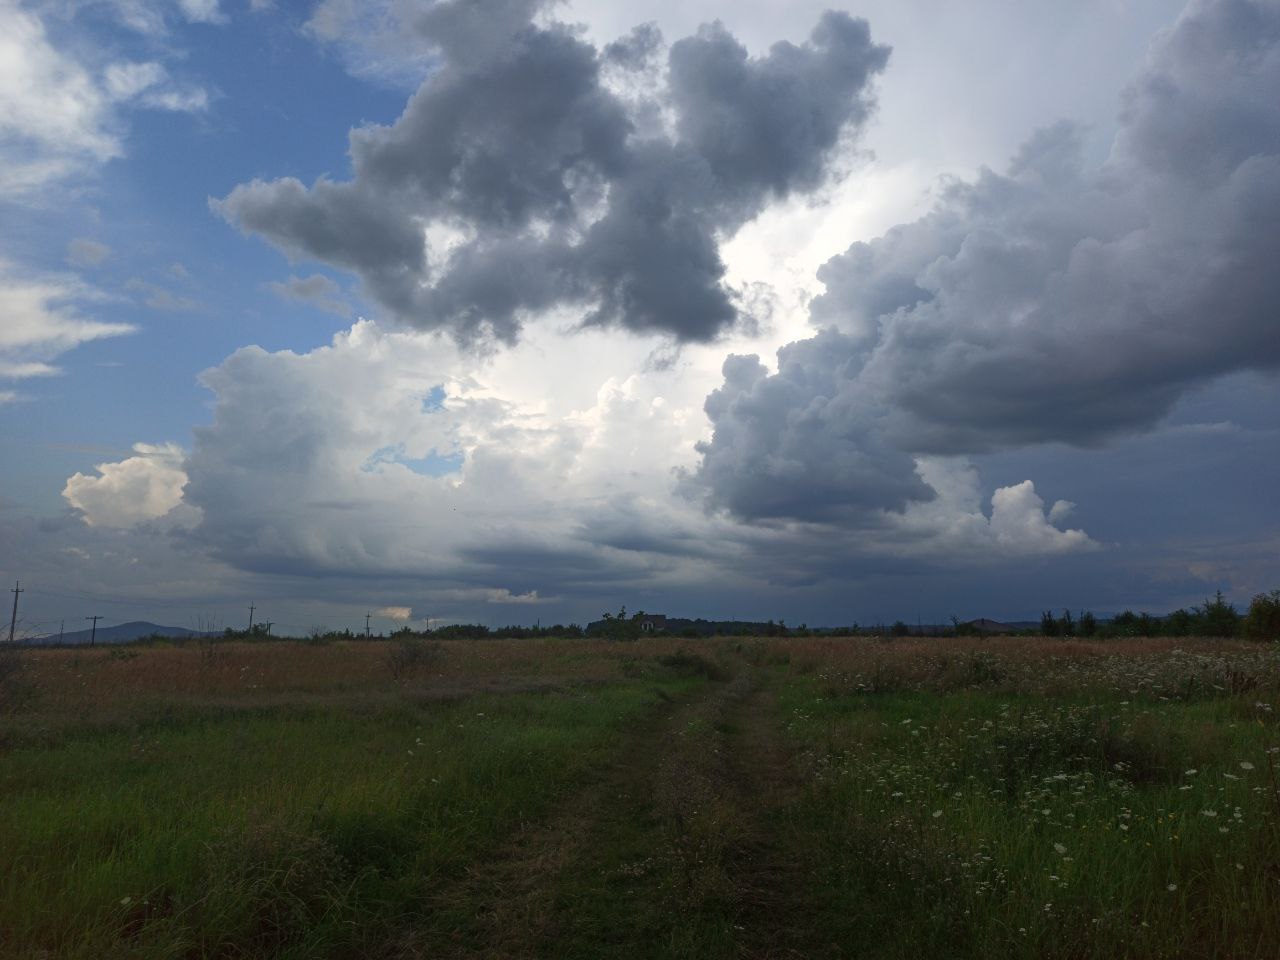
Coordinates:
[768,125]
[519,148]
[1049,303]
[799,444]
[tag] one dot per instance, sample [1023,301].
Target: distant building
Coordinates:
[653,622]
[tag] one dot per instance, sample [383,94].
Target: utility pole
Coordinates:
[93,634]
[367,633]
[269,622]
[62,626]
[251,609]
[13,621]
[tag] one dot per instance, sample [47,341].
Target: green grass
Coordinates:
[281,833]
[815,798]
[982,823]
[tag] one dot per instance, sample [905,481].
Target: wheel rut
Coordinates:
[681,847]
[506,906]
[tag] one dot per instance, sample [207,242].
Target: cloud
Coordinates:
[394,613]
[53,115]
[153,17]
[308,469]
[148,85]
[202,11]
[802,443]
[146,486]
[42,321]
[1043,304]
[58,116]
[82,252]
[952,519]
[317,290]
[517,180]
[157,297]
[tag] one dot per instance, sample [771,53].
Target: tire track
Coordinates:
[684,846]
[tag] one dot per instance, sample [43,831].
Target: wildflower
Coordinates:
[1192,772]
[937,814]
[1246,765]
[125,901]
[1208,813]
[1172,887]
[1059,848]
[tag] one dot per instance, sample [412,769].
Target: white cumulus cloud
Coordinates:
[146,486]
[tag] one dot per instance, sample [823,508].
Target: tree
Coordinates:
[1180,623]
[1048,625]
[1067,626]
[1088,624]
[1263,620]
[1125,624]
[1217,618]
[621,627]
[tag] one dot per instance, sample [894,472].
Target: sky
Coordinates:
[512,311]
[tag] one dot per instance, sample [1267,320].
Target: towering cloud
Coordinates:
[527,172]
[1047,303]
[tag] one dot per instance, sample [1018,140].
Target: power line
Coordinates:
[181,604]
[13,621]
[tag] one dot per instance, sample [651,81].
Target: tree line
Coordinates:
[1213,618]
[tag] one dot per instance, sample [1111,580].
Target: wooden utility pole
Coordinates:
[93,634]
[13,620]
[367,633]
[251,609]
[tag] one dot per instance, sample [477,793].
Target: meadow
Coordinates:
[579,798]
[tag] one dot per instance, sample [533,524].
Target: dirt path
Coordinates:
[678,849]
[505,907]
[770,878]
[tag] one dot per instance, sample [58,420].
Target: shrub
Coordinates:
[408,656]
[693,664]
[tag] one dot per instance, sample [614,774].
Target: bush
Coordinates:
[408,656]
[1263,619]
[688,664]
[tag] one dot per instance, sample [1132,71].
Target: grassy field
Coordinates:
[660,798]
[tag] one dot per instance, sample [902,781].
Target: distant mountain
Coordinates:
[985,625]
[121,633]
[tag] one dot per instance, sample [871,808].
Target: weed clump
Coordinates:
[272,886]
[409,657]
[688,664]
